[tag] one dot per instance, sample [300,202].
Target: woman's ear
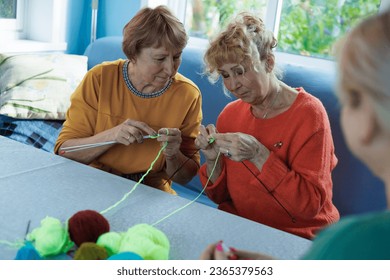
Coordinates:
[270,63]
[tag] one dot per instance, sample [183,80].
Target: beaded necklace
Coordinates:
[137,92]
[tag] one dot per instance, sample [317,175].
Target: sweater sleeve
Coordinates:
[217,192]
[306,185]
[81,116]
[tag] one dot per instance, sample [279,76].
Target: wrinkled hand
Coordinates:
[173,138]
[131,131]
[217,251]
[240,146]
[202,141]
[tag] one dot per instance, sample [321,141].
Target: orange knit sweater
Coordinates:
[297,173]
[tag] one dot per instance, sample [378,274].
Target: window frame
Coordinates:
[35,33]
[385,4]
[14,28]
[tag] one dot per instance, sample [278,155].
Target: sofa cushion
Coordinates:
[38,86]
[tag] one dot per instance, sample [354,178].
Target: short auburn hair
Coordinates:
[153,28]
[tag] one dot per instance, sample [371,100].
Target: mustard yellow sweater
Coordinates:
[102,101]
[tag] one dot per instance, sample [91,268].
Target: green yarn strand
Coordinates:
[192,201]
[12,244]
[136,185]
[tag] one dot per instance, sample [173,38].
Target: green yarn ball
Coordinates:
[110,241]
[146,241]
[51,238]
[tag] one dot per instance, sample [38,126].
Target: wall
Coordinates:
[112,16]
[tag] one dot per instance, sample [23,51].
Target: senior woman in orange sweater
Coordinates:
[276,141]
[363,90]
[125,100]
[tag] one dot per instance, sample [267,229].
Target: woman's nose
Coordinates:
[169,67]
[233,84]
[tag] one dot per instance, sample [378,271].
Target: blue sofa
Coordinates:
[356,190]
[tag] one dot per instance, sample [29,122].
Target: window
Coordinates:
[32,25]
[311,28]
[11,18]
[8,9]
[205,18]
[304,27]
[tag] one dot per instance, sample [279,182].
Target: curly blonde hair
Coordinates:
[245,40]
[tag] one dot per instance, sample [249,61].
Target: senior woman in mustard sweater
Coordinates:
[124,101]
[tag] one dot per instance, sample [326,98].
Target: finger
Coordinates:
[164,131]
[138,136]
[124,139]
[248,255]
[226,152]
[203,130]
[223,142]
[228,137]
[219,252]
[171,135]
[201,141]
[141,126]
[211,128]
[208,253]
[164,134]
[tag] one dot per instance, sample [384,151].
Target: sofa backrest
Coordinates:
[355,191]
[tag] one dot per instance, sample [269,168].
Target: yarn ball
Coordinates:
[146,241]
[126,256]
[110,241]
[90,251]
[51,238]
[28,252]
[87,226]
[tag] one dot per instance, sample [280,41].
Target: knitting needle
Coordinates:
[93,145]
[27,229]
[85,146]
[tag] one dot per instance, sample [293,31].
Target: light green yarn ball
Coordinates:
[111,241]
[146,241]
[51,238]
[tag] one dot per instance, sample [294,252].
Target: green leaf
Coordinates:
[30,108]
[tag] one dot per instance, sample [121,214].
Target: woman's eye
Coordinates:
[239,72]
[225,76]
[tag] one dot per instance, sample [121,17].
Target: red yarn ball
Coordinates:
[87,226]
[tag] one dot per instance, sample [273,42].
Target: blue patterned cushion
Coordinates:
[41,134]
